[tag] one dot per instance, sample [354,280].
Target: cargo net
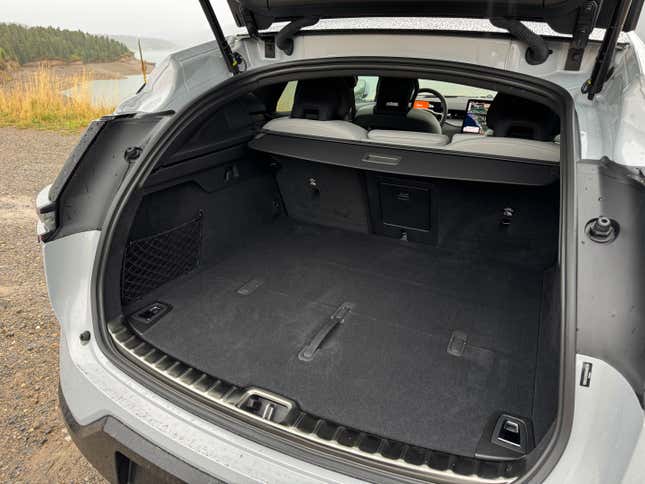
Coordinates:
[155,260]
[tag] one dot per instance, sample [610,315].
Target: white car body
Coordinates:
[606,444]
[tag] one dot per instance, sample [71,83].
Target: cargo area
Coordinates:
[417,309]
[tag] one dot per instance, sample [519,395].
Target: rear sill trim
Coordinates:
[395,455]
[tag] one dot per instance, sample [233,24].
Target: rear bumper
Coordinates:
[94,389]
[605,445]
[121,455]
[121,426]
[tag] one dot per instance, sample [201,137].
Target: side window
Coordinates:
[365,90]
[285,103]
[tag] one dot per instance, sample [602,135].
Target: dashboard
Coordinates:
[465,114]
[475,118]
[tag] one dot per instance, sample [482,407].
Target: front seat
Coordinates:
[393,109]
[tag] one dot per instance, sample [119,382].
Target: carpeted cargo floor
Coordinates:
[386,369]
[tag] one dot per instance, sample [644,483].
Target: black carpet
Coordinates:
[386,370]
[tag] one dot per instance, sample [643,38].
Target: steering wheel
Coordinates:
[443,115]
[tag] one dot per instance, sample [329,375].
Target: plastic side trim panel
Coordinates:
[611,277]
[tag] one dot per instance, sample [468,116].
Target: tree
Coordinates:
[28,44]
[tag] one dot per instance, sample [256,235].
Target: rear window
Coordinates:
[285,103]
[365,90]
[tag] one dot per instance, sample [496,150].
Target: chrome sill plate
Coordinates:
[436,466]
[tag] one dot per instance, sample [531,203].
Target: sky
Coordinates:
[180,21]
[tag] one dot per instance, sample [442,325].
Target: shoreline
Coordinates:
[93,71]
[62,97]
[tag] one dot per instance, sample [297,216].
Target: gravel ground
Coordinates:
[34,445]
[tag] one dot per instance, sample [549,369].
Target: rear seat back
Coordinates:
[312,127]
[407,138]
[522,128]
[518,148]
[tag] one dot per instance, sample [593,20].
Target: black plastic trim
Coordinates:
[66,172]
[559,13]
[601,70]
[484,34]
[220,38]
[558,98]
[95,170]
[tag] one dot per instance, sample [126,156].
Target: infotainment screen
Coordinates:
[475,120]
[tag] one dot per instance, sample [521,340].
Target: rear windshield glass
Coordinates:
[365,91]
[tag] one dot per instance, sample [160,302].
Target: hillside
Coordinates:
[21,44]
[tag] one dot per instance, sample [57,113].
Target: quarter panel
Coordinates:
[606,428]
[611,276]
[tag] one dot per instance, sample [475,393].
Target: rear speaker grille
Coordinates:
[152,261]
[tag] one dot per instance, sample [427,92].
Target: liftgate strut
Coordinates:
[227,52]
[602,68]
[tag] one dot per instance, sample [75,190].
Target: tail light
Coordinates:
[47,216]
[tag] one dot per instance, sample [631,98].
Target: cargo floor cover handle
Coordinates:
[308,352]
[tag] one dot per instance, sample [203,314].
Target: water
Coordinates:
[110,92]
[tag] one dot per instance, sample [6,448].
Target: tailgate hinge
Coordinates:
[284,38]
[249,22]
[587,17]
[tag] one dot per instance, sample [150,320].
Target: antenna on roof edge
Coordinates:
[143,64]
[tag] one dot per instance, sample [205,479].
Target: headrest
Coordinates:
[395,95]
[515,117]
[325,99]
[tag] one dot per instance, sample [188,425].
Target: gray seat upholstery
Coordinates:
[463,136]
[322,109]
[393,108]
[521,128]
[335,129]
[514,147]
[407,138]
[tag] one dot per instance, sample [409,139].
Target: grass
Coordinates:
[36,101]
